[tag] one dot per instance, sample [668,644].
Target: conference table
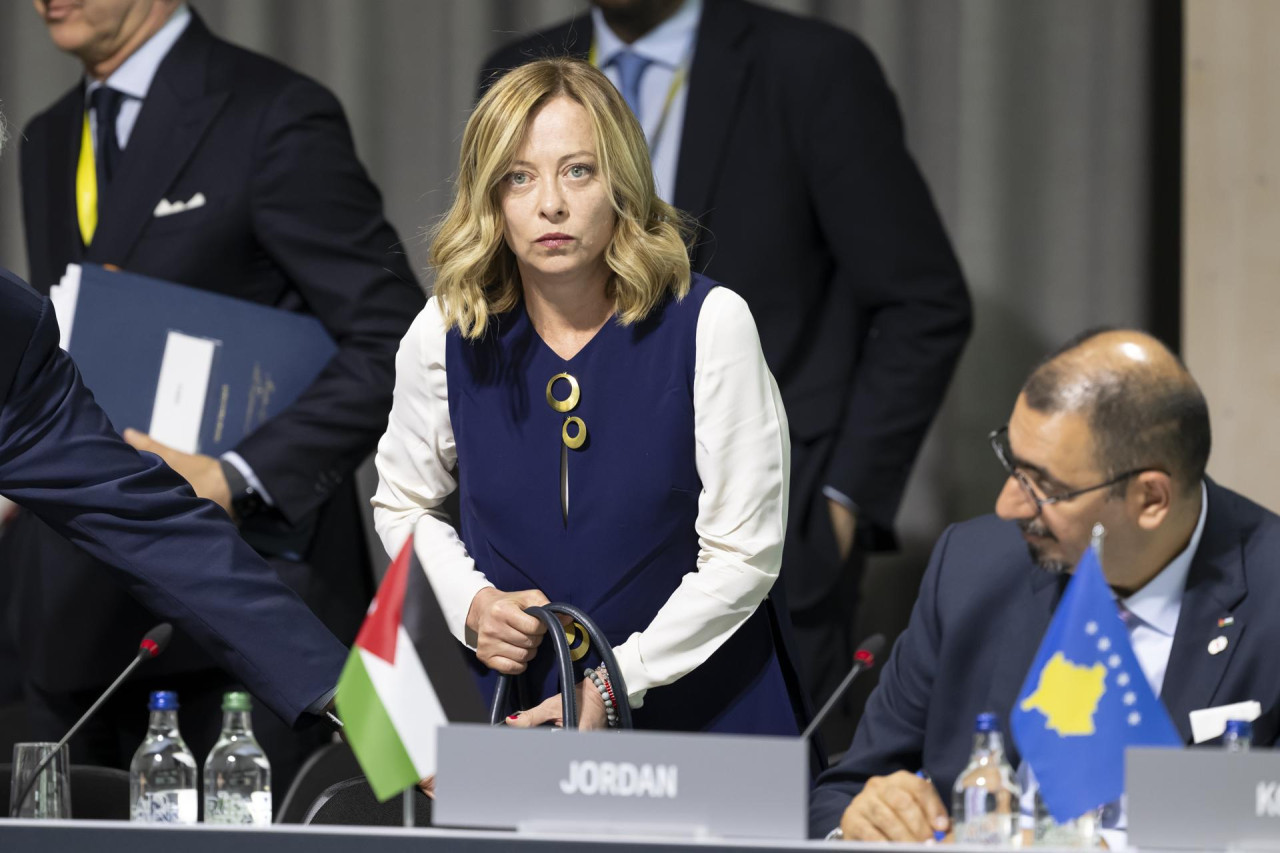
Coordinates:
[79,836]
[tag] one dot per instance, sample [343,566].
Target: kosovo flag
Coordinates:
[1084,700]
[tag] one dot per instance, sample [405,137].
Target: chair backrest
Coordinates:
[97,793]
[352,803]
[328,765]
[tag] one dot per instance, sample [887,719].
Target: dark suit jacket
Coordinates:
[793,161]
[61,459]
[290,220]
[977,625]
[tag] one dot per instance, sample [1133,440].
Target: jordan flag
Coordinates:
[385,697]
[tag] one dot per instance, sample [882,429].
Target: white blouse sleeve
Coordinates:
[416,459]
[743,455]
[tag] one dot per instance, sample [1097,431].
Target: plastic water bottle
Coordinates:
[985,801]
[237,776]
[162,776]
[1238,737]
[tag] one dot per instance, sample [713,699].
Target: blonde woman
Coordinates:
[616,437]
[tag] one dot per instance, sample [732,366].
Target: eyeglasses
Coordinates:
[999,439]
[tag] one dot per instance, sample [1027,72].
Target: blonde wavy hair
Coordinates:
[476,273]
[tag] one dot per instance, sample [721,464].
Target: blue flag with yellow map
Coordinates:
[1084,700]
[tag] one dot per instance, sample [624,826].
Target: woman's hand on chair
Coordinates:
[506,637]
[591,714]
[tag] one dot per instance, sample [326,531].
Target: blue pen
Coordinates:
[938,834]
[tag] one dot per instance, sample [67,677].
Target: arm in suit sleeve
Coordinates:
[880,223]
[179,555]
[891,735]
[318,216]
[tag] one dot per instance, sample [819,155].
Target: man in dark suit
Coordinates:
[218,169]
[61,459]
[1110,429]
[780,135]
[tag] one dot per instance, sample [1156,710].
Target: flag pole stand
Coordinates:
[408,806]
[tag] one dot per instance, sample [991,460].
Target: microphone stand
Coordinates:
[863,660]
[144,654]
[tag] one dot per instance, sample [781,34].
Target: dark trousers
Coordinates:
[821,592]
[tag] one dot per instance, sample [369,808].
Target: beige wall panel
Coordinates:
[1231,219]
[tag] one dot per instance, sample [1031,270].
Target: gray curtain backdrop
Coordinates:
[1029,118]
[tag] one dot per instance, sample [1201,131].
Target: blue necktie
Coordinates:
[631,68]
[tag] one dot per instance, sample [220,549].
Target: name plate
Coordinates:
[1203,798]
[637,782]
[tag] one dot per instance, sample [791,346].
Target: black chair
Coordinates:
[352,803]
[328,765]
[97,793]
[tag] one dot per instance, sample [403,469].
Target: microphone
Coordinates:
[152,645]
[863,659]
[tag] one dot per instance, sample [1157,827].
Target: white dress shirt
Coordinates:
[743,459]
[1153,619]
[135,75]
[670,47]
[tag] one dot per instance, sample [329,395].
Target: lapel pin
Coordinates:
[1226,620]
[1217,644]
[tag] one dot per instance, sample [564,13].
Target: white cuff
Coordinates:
[633,670]
[251,478]
[841,498]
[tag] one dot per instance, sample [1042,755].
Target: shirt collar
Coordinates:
[135,74]
[1159,602]
[670,43]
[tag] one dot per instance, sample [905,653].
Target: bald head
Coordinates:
[1143,408]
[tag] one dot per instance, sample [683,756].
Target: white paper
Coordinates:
[1209,723]
[181,390]
[64,295]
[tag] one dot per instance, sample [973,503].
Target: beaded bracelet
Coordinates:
[603,672]
[598,683]
[606,696]
[610,708]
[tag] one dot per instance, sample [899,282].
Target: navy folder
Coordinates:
[264,357]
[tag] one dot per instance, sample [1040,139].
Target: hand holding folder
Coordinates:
[196,370]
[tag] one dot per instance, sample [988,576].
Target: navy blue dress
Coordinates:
[633,489]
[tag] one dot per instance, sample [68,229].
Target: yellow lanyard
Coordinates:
[677,82]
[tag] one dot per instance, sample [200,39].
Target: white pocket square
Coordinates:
[1208,723]
[169,208]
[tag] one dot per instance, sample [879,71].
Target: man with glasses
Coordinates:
[1109,429]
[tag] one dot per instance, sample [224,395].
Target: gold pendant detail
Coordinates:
[575,441]
[575,633]
[569,403]
[568,442]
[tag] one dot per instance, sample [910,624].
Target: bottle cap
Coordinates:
[987,722]
[236,700]
[1239,728]
[163,700]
